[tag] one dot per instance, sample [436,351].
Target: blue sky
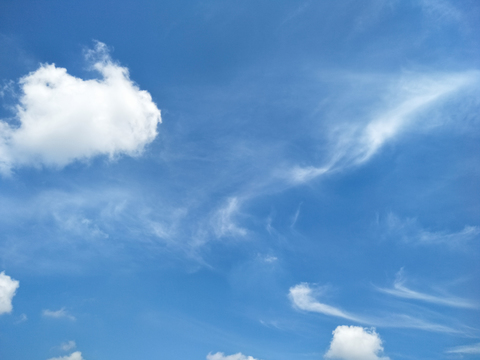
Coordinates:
[254,180]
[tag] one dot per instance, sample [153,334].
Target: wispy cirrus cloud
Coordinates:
[465,349]
[303,297]
[58,314]
[355,142]
[409,230]
[223,221]
[400,290]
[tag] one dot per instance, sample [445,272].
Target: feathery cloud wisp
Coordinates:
[465,349]
[400,290]
[410,231]
[355,144]
[223,221]
[302,298]
[58,314]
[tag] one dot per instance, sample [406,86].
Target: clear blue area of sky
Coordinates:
[192,247]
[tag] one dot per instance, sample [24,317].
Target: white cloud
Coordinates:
[411,322]
[223,220]
[465,349]
[355,343]
[410,231]
[62,118]
[77,355]
[270,259]
[411,97]
[69,345]
[400,290]
[304,174]
[8,287]
[302,298]
[58,314]
[222,356]
[356,143]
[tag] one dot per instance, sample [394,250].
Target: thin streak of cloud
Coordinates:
[410,231]
[302,297]
[465,349]
[400,290]
[295,217]
[58,314]
[411,322]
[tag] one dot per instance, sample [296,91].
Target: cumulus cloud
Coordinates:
[400,290]
[62,118]
[355,343]
[302,297]
[58,314]
[8,287]
[77,355]
[222,356]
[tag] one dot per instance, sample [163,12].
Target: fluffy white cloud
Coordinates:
[62,118]
[8,287]
[355,343]
[58,314]
[77,355]
[222,356]
[302,297]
